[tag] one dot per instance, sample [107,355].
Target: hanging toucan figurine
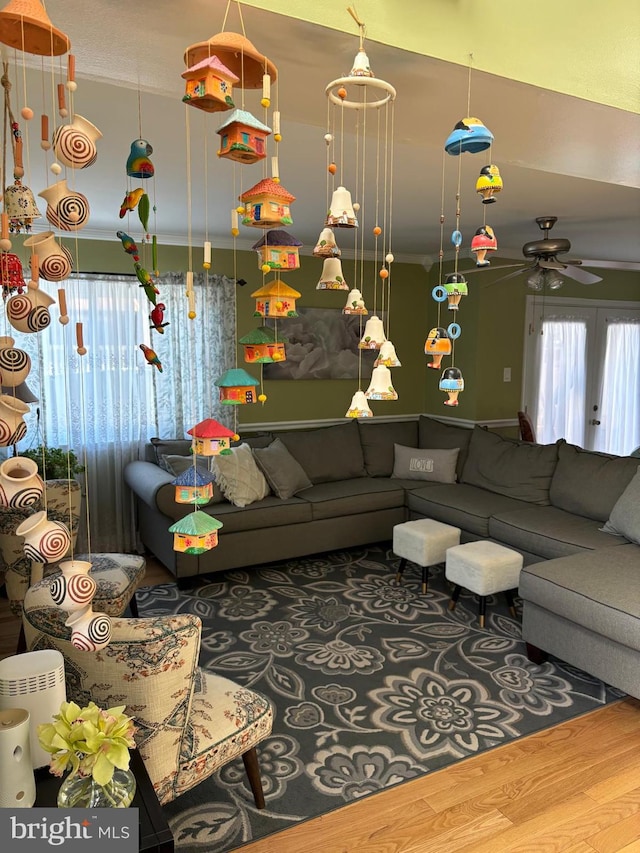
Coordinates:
[146,282]
[151,356]
[157,316]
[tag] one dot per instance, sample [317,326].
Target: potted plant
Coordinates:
[54,463]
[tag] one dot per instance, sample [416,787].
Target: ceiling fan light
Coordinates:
[536,280]
[554,281]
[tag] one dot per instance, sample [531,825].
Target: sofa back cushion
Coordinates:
[328,453]
[517,469]
[434,434]
[167,447]
[377,440]
[588,483]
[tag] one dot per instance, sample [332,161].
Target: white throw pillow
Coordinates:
[240,479]
[417,463]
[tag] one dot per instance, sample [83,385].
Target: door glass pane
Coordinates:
[560,406]
[619,413]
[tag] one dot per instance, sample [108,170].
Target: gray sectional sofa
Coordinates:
[360,478]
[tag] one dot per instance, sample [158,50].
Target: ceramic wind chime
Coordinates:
[470,136]
[371,100]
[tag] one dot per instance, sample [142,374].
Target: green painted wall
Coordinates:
[576,47]
[492,319]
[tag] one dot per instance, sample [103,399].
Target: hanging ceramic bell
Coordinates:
[359,407]
[387,356]
[381,386]
[452,382]
[483,241]
[456,287]
[332,278]
[341,213]
[326,246]
[438,343]
[355,303]
[374,335]
[489,183]
[361,67]
[55,261]
[20,206]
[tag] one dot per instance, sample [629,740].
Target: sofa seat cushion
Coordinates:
[352,497]
[463,506]
[548,531]
[600,590]
[269,512]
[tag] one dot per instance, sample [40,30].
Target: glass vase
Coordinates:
[83,792]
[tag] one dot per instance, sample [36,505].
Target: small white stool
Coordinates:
[484,568]
[425,543]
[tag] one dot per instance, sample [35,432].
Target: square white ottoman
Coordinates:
[424,542]
[483,568]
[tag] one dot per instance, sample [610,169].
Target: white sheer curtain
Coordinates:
[560,405]
[619,430]
[106,404]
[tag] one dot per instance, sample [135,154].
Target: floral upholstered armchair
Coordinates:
[189,722]
[63,503]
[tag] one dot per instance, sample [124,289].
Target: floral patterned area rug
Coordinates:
[373,684]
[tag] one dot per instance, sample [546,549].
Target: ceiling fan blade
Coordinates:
[492,269]
[550,265]
[510,275]
[581,275]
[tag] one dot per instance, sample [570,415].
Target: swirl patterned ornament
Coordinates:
[45,541]
[74,144]
[74,588]
[20,483]
[90,631]
[66,209]
[56,261]
[12,426]
[15,364]
[29,312]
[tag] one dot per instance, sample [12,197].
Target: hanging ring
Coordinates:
[439,293]
[454,330]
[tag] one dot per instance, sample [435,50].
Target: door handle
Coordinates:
[594,423]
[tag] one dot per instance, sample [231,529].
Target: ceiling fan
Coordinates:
[545,270]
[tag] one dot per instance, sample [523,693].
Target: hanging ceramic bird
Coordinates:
[128,244]
[151,356]
[156,317]
[143,211]
[147,282]
[138,163]
[131,200]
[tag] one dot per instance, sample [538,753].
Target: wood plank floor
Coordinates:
[573,788]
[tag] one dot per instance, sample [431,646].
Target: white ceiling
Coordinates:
[558,155]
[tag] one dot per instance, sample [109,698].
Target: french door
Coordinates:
[582,372]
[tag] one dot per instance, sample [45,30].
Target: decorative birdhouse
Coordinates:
[373,336]
[196,533]
[209,438]
[261,346]
[438,343]
[266,205]
[194,486]
[276,299]
[332,277]
[469,134]
[456,287]
[243,137]
[237,387]
[483,241]
[381,386]
[452,382]
[278,250]
[209,85]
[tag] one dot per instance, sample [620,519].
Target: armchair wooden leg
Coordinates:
[250,759]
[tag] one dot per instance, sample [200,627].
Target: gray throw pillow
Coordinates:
[517,469]
[284,474]
[413,463]
[240,479]
[170,447]
[625,515]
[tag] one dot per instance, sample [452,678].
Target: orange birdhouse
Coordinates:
[266,205]
[278,250]
[237,387]
[209,438]
[193,486]
[276,299]
[209,85]
[196,533]
[243,137]
[261,347]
